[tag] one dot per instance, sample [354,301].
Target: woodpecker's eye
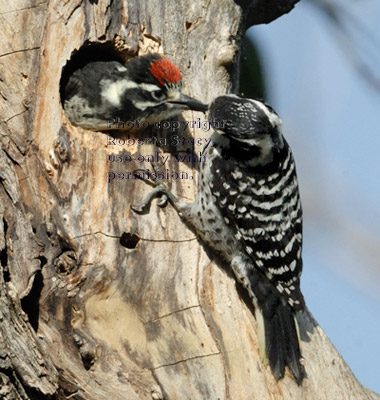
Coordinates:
[158,95]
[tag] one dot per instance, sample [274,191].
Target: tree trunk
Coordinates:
[96,301]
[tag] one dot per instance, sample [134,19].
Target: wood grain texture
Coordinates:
[84,313]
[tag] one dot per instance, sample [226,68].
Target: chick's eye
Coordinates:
[158,95]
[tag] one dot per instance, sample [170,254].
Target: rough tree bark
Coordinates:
[97,302]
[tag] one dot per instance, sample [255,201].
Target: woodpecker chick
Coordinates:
[148,88]
[248,211]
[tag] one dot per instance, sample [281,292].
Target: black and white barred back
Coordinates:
[258,201]
[248,210]
[261,206]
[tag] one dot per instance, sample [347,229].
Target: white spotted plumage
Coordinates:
[248,211]
[256,223]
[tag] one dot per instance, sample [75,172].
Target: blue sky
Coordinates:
[331,119]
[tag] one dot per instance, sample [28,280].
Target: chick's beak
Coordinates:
[187,103]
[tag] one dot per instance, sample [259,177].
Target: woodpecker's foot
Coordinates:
[160,189]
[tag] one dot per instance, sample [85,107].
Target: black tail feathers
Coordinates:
[278,334]
[281,338]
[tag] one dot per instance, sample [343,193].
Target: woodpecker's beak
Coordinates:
[186,102]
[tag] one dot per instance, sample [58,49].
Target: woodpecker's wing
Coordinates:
[261,206]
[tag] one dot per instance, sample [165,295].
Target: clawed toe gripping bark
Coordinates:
[160,189]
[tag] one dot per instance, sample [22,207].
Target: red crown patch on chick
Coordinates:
[165,71]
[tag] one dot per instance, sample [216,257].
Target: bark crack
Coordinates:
[16,115]
[216,341]
[143,239]
[108,8]
[73,11]
[169,240]
[24,8]
[95,233]
[172,313]
[19,51]
[185,360]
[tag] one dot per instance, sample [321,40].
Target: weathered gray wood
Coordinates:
[154,321]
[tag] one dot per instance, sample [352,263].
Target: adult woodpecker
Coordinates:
[148,88]
[248,211]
